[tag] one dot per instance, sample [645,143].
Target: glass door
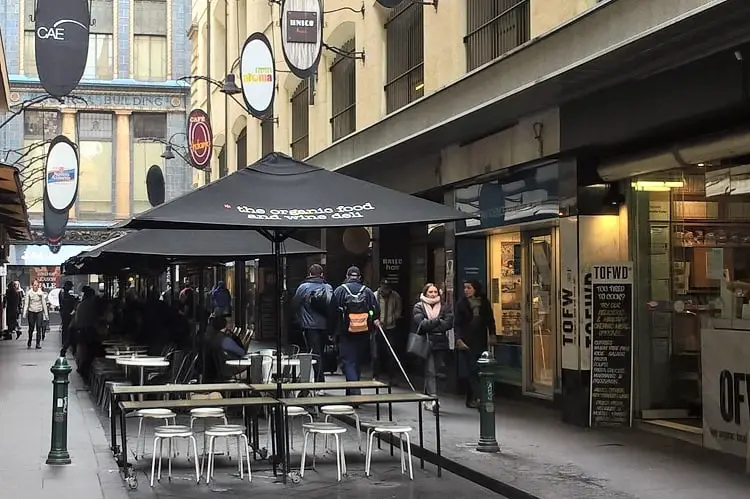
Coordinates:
[541,323]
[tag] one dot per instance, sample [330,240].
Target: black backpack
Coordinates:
[319,300]
[356,311]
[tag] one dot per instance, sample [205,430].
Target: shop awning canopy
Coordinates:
[13,215]
[279,192]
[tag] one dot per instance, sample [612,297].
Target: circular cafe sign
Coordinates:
[200,138]
[258,74]
[302,35]
[61,32]
[61,174]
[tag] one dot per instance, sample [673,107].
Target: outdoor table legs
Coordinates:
[113,411]
[124,441]
[437,439]
[421,434]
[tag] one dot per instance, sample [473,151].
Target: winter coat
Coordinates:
[435,328]
[310,318]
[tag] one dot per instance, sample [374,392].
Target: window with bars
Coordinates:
[95,131]
[343,93]
[38,126]
[493,28]
[145,154]
[150,40]
[242,149]
[266,135]
[300,121]
[404,55]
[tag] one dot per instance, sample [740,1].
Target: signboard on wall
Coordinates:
[200,138]
[302,35]
[471,262]
[569,292]
[611,345]
[257,75]
[725,366]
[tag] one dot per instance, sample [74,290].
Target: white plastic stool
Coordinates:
[165,415]
[206,413]
[226,431]
[169,433]
[292,411]
[395,430]
[326,429]
[342,410]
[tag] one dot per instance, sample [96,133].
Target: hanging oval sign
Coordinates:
[200,138]
[258,74]
[155,186]
[55,223]
[389,4]
[61,43]
[61,174]
[302,35]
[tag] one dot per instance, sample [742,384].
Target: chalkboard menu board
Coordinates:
[612,345]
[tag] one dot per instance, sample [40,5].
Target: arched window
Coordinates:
[343,93]
[493,28]
[300,121]
[404,55]
[242,149]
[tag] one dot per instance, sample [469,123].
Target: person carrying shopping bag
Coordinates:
[432,319]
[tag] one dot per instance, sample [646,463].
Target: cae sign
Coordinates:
[57,32]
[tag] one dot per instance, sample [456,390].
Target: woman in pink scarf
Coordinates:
[432,318]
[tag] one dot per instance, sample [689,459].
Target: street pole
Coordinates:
[58,453]
[487,439]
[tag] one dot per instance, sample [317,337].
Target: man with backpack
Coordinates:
[312,303]
[357,315]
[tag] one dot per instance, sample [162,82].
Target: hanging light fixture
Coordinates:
[168,154]
[229,86]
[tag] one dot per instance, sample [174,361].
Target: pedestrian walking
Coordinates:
[12,303]
[36,313]
[68,304]
[391,310]
[357,313]
[474,321]
[312,304]
[432,318]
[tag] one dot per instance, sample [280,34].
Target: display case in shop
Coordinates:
[699,242]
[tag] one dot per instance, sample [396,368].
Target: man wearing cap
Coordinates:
[356,312]
[390,304]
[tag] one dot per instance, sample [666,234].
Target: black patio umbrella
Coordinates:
[278,194]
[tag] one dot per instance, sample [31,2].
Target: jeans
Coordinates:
[36,322]
[314,339]
[433,364]
[353,353]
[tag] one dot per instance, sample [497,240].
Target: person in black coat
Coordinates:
[12,306]
[432,318]
[474,324]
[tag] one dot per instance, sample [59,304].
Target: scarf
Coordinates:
[431,306]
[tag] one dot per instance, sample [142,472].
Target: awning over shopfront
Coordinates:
[13,215]
[613,42]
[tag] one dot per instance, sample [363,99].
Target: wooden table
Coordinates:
[125,406]
[389,398]
[119,391]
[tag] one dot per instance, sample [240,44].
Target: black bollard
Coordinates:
[487,439]
[58,453]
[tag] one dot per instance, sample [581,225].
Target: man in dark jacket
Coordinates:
[311,303]
[356,313]
[67,305]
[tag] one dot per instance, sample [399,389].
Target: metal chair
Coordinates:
[227,431]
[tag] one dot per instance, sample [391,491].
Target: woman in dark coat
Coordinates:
[474,323]
[12,306]
[431,317]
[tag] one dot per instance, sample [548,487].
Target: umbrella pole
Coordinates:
[393,352]
[280,427]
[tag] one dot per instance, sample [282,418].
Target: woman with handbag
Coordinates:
[474,324]
[431,320]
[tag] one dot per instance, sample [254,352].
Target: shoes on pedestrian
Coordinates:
[472,404]
[28,345]
[428,406]
[38,346]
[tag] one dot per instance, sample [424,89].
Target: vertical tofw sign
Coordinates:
[611,345]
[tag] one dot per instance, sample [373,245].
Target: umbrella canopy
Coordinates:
[225,245]
[279,192]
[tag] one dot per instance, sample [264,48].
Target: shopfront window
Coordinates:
[506,296]
[692,246]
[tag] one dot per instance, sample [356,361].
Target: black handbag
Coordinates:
[418,344]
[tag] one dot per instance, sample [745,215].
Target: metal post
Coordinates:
[487,439]
[58,453]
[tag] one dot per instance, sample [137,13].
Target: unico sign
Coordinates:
[200,138]
[61,43]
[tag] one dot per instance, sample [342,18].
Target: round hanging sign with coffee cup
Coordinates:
[61,32]
[302,35]
[258,75]
[200,139]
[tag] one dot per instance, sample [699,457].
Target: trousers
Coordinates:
[353,350]
[36,323]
